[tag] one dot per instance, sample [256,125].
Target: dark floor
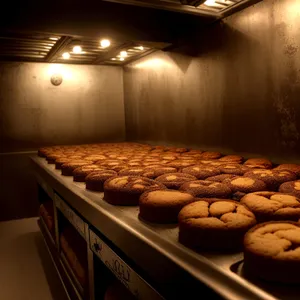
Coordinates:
[26,268]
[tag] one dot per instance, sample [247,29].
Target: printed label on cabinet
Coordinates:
[140,288]
[73,218]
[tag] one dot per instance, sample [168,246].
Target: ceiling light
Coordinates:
[123,53]
[66,55]
[77,49]
[122,58]
[105,43]
[210,2]
[140,48]
[53,38]
[113,58]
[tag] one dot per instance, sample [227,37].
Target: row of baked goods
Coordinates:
[216,200]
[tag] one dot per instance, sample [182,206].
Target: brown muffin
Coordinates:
[155,171]
[133,171]
[272,178]
[43,151]
[206,189]
[234,169]
[201,171]
[176,149]
[79,174]
[46,211]
[163,206]
[291,187]
[289,167]
[272,251]
[169,157]
[220,225]
[136,163]
[234,159]
[220,178]
[175,180]
[272,206]
[53,157]
[115,165]
[95,180]
[68,168]
[244,185]
[210,155]
[126,190]
[258,163]
[74,248]
[179,164]
[95,157]
[60,161]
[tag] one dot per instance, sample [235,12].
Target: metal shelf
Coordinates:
[146,243]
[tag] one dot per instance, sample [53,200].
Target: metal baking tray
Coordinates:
[141,241]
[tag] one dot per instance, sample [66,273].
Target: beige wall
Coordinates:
[86,107]
[239,92]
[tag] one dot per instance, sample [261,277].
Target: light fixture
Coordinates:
[123,53]
[53,38]
[122,58]
[77,49]
[140,48]
[105,43]
[66,55]
[210,2]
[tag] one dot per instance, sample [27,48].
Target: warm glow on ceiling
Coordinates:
[66,55]
[123,53]
[77,49]
[105,43]
[153,63]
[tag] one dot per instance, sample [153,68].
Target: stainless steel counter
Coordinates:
[154,248]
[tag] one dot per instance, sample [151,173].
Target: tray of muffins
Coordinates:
[242,215]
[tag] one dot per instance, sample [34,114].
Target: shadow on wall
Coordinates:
[233,87]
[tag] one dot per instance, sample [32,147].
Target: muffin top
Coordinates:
[134,184]
[210,155]
[100,176]
[289,167]
[272,177]
[86,169]
[165,198]
[245,184]
[220,178]
[175,180]
[205,188]
[272,204]
[201,171]
[234,169]
[231,159]
[155,171]
[291,187]
[277,240]
[222,215]
[134,171]
[181,163]
[259,163]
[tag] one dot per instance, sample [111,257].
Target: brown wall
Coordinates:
[239,91]
[87,107]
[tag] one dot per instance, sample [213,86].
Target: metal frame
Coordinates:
[139,240]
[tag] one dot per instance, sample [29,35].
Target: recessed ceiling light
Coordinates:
[53,38]
[105,43]
[77,49]
[66,55]
[210,2]
[122,58]
[113,58]
[140,48]
[123,53]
